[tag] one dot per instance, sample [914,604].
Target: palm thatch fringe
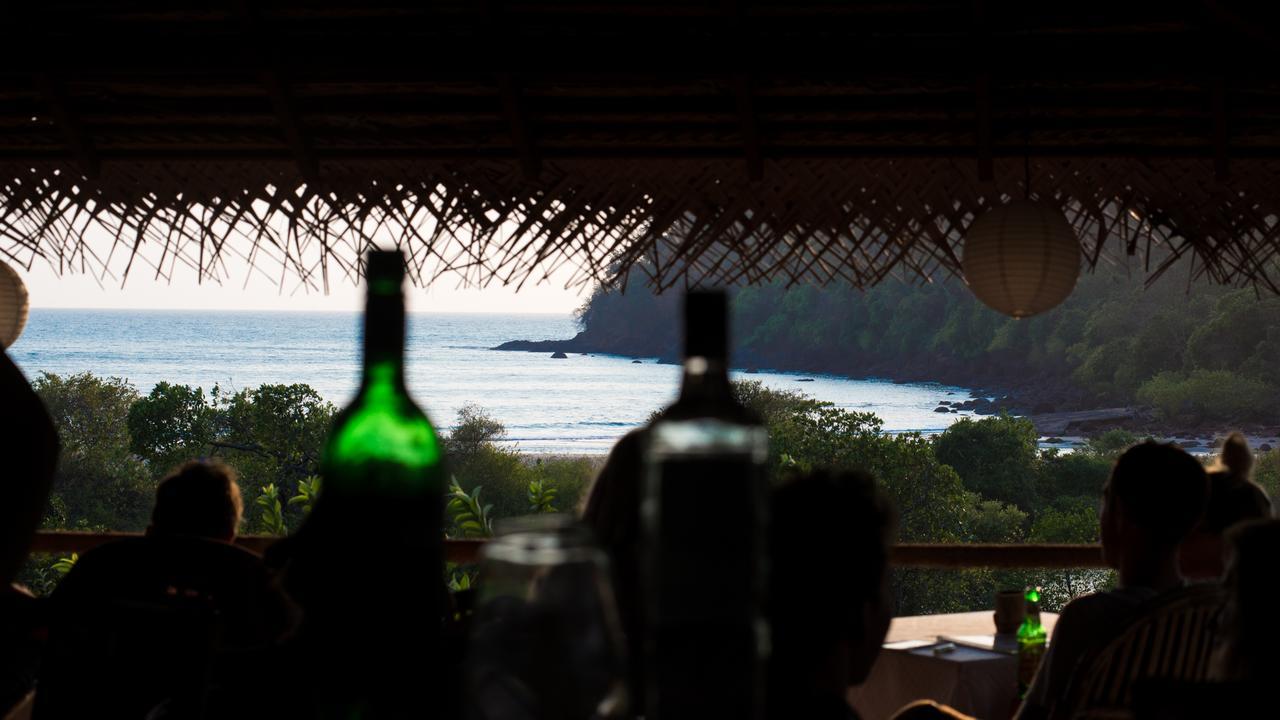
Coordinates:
[679,222]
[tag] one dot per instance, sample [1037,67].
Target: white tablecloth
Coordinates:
[977,682]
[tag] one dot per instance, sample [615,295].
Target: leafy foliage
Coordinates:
[272,516]
[1203,394]
[272,435]
[542,496]
[63,565]
[308,492]
[507,476]
[99,482]
[1266,472]
[983,481]
[473,431]
[995,457]
[470,519]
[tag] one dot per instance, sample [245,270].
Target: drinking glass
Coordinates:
[545,638]
[1010,609]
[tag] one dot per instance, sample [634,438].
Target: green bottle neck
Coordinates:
[383,345]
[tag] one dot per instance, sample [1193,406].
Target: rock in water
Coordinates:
[942,408]
[557,355]
[635,362]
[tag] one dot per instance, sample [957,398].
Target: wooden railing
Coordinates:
[953,556]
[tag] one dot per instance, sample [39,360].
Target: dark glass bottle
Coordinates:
[371,549]
[704,515]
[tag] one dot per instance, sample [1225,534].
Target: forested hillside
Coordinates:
[1192,354]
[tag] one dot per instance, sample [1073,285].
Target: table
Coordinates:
[974,681]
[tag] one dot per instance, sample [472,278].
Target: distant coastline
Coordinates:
[1058,428]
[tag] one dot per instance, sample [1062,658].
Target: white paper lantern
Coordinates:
[1022,258]
[13,305]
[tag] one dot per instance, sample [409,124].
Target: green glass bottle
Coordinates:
[372,546]
[1032,641]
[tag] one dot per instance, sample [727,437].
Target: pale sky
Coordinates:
[143,290]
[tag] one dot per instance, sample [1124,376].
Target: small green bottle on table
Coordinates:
[1032,641]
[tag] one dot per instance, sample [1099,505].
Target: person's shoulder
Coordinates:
[1104,604]
[109,554]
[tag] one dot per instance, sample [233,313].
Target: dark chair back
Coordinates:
[126,658]
[135,626]
[1172,637]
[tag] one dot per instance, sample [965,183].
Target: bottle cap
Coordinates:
[384,270]
[706,324]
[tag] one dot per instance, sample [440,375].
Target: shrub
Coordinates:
[1266,472]
[1073,474]
[569,476]
[1111,443]
[1208,395]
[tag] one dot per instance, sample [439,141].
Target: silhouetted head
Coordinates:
[1233,498]
[1155,496]
[829,601]
[201,498]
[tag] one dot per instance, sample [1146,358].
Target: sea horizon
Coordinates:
[576,406]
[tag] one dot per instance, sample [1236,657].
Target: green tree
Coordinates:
[100,482]
[272,435]
[474,429]
[172,424]
[995,457]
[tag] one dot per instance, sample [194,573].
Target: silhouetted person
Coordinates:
[1249,632]
[137,623]
[829,600]
[1233,498]
[1155,496]
[28,459]
[612,511]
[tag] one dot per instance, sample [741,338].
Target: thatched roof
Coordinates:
[725,142]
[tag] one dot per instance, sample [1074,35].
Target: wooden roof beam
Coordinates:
[295,133]
[982,91]
[78,143]
[1221,160]
[750,122]
[248,19]
[986,161]
[513,108]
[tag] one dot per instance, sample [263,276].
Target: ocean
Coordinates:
[579,405]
